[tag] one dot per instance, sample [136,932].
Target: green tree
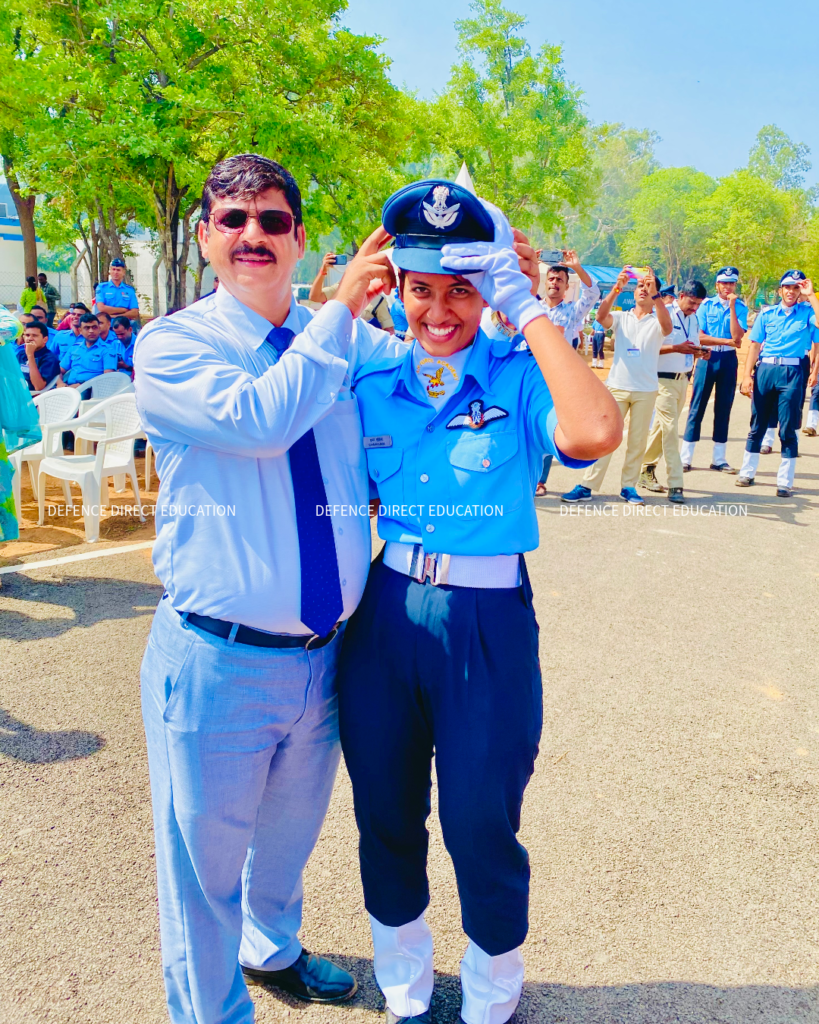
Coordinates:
[515,120]
[622,157]
[757,227]
[777,159]
[669,231]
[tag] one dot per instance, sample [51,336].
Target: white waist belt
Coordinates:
[780,361]
[723,348]
[486,572]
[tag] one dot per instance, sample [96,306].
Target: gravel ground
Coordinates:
[671,820]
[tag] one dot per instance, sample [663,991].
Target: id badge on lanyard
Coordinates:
[689,357]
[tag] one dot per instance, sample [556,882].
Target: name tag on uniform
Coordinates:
[378,441]
[633,353]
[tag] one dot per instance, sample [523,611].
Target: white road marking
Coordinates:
[84,557]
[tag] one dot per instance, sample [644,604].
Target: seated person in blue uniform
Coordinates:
[38,363]
[124,331]
[115,297]
[106,333]
[442,654]
[65,340]
[89,357]
[781,337]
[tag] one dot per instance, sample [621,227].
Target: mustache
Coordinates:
[253,250]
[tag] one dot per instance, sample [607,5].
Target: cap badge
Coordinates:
[438,214]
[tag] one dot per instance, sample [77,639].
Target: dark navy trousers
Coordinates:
[452,671]
[805,376]
[720,373]
[778,393]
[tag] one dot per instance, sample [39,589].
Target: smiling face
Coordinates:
[251,263]
[789,293]
[443,311]
[74,319]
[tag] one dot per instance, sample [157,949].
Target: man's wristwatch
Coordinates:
[655,297]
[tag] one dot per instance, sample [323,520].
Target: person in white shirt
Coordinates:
[638,337]
[674,372]
[245,398]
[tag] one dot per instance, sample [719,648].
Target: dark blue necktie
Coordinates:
[321,602]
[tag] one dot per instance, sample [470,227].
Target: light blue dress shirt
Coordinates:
[459,479]
[63,342]
[82,362]
[714,316]
[787,333]
[221,411]
[110,294]
[570,315]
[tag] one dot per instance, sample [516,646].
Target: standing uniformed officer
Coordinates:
[723,321]
[784,333]
[115,296]
[442,654]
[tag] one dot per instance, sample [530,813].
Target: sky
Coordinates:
[705,76]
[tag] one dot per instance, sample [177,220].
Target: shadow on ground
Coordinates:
[106,599]
[657,1002]
[37,746]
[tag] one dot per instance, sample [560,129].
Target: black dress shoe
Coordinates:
[421,1018]
[311,977]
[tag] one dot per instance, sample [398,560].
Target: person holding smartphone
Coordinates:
[376,312]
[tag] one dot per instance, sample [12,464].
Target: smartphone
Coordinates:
[341,260]
[551,256]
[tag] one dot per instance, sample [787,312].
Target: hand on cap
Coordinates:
[367,275]
[806,287]
[527,259]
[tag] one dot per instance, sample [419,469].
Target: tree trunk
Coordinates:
[200,271]
[25,212]
[167,223]
[185,251]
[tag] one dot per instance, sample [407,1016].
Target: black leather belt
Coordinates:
[257,637]
[674,376]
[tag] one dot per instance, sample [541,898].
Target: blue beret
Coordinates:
[427,215]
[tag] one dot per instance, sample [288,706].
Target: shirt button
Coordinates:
[424,478]
[430,528]
[340,531]
[430,428]
[486,463]
[376,473]
[344,583]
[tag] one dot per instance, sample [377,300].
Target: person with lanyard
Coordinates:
[89,357]
[52,297]
[114,296]
[639,334]
[441,656]
[39,364]
[245,398]
[780,337]
[673,372]
[723,321]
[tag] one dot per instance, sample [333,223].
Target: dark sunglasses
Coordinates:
[272,222]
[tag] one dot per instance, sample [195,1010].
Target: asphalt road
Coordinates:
[671,821]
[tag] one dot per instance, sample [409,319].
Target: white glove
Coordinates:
[502,283]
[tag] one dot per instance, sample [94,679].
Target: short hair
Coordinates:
[121,321]
[37,326]
[41,274]
[105,315]
[247,175]
[21,315]
[89,318]
[79,305]
[559,268]
[696,289]
[41,308]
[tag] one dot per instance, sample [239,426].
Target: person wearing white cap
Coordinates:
[787,331]
[723,321]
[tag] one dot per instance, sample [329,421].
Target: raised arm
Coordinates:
[660,308]
[604,317]
[316,293]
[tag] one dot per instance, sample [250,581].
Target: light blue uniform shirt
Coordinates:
[459,479]
[63,342]
[714,316]
[221,411]
[81,363]
[787,333]
[110,294]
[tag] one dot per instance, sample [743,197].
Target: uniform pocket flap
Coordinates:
[482,452]
[383,462]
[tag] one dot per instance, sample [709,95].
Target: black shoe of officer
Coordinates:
[393,1018]
[311,977]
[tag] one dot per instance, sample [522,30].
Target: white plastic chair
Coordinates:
[57,408]
[115,456]
[104,385]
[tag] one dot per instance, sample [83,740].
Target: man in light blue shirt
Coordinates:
[781,337]
[116,297]
[64,340]
[89,357]
[723,320]
[246,401]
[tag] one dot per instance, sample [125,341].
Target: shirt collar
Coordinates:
[252,327]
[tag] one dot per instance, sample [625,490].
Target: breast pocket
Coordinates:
[486,467]
[384,465]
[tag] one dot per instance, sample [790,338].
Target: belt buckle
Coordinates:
[310,646]
[429,569]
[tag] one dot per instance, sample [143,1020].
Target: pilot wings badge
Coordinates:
[477,416]
[438,214]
